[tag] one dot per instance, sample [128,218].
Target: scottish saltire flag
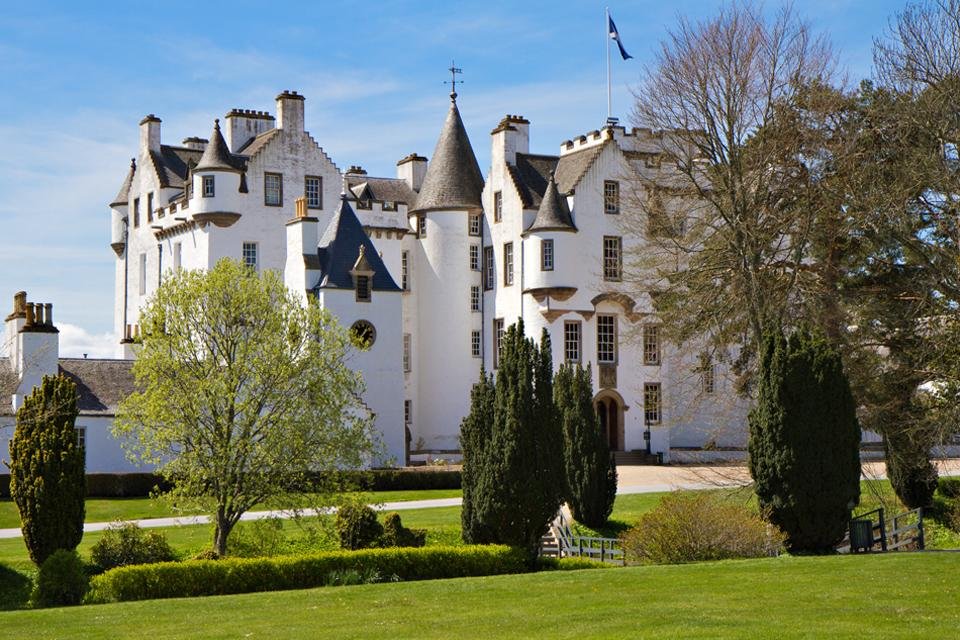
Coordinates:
[612,29]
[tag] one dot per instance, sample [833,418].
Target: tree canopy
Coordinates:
[243,394]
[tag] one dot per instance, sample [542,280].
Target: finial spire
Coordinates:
[454,70]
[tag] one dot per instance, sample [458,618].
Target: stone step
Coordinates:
[635,458]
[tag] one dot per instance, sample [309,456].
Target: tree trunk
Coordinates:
[220,532]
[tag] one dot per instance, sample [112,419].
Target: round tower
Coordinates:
[448,288]
[216,183]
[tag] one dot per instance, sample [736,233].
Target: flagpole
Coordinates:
[606,28]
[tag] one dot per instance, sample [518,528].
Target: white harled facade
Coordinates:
[431,265]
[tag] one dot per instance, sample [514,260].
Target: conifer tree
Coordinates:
[515,487]
[589,469]
[47,475]
[475,432]
[804,441]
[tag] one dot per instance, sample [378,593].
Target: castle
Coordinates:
[428,267]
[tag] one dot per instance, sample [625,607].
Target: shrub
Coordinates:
[61,580]
[257,539]
[357,526]
[699,525]
[125,543]
[207,554]
[15,588]
[571,564]
[949,487]
[397,535]
[195,578]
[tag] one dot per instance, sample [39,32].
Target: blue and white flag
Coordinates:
[612,30]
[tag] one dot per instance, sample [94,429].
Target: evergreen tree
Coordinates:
[47,475]
[804,441]
[591,475]
[515,485]
[475,432]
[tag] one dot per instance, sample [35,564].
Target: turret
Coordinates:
[550,243]
[118,212]
[217,183]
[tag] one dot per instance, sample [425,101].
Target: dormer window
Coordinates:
[208,189]
[363,288]
[389,205]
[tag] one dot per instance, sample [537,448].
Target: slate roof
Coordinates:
[102,384]
[381,189]
[453,179]
[340,248]
[530,175]
[216,156]
[123,195]
[255,144]
[554,213]
[572,166]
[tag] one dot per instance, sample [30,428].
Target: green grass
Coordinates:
[893,596]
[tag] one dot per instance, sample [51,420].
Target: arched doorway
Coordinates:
[609,407]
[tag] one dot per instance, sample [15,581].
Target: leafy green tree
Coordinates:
[515,487]
[47,475]
[243,395]
[804,441]
[591,475]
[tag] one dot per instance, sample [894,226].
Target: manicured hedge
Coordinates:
[194,578]
[137,485]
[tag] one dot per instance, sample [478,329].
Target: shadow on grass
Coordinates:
[15,589]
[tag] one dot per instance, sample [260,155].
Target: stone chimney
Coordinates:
[35,348]
[412,169]
[512,136]
[245,124]
[290,111]
[303,264]
[195,143]
[149,134]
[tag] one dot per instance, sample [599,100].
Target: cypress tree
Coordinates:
[515,487]
[589,469]
[475,432]
[804,441]
[47,475]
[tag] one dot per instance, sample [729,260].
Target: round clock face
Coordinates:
[364,334]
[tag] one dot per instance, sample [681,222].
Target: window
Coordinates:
[488,269]
[474,298]
[143,273]
[497,206]
[475,344]
[363,288]
[474,224]
[313,190]
[389,205]
[364,203]
[475,257]
[611,196]
[652,402]
[405,270]
[709,376]
[363,333]
[407,411]
[150,207]
[82,441]
[497,340]
[273,189]
[136,212]
[406,352]
[250,254]
[208,187]
[651,344]
[612,263]
[606,339]
[508,264]
[571,340]
[422,225]
[177,254]
[546,255]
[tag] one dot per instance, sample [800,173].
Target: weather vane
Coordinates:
[454,70]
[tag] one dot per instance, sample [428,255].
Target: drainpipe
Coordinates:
[126,271]
[159,264]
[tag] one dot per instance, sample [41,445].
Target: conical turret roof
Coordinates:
[123,194]
[553,214]
[453,179]
[216,156]
[340,253]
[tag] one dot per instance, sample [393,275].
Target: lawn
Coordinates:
[891,596]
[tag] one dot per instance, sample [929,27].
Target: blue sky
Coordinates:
[76,77]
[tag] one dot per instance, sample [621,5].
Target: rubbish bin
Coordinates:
[861,535]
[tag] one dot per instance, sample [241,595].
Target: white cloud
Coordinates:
[76,341]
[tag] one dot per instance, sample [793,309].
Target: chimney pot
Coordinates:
[30,315]
[48,313]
